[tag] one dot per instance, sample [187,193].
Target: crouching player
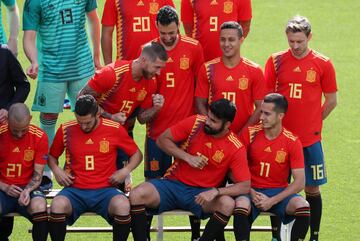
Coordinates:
[90,174]
[23,155]
[272,152]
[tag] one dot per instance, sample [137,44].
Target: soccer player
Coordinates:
[23,155]
[13,16]
[90,174]
[303,75]
[177,84]
[273,152]
[135,26]
[203,146]
[62,58]
[232,77]
[202,21]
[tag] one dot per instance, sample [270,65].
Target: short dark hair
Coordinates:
[85,105]
[223,109]
[298,24]
[232,25]
[167,15]
[279,101]
[154,50]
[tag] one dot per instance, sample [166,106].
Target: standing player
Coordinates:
[90,174]
[202,21]
[135,26]
[177,84]
[62,58]
[23,155]
[207,148]
[13,16]
[232,77]
[303,75]
[273,152]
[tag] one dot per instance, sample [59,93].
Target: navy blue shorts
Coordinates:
[156,161]
[315,171]
[177,195]
[279,209]
[122,158]
[10,204]
[89,200]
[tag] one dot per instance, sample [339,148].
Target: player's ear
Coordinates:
[281,115]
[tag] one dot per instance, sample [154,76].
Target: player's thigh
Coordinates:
[224,204]
[73,90]
[146,193]
[315,170]
[119,205]
[49,97]
[37,202]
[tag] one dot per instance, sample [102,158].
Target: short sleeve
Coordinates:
[31,15]
[239,166]
[296,155]
[199,59]
[328,80]
[187,12]
[270,75]
[103,79]
[57,146]
[170,3]
[42,150]
[126,143]
[182,129]
[245,10]
[109,15]
[258,88]
[152,89]
[90,5]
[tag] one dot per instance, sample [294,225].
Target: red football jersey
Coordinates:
[135,22]
[242,84]
[177,84]
[271,161]
[91,157]
[119,91]
[302,82]
[206,17]
[18,157]
[223,154]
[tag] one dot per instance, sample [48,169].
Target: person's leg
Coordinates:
[241,218]
[7,204]
[6,227]
[39,217]
[298,207]
[119,209]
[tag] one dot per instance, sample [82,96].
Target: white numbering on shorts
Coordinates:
[213,24]
[318,171]
[13,170]
[231,96]
[141,24]
[295,90]
[264,169]
[89,163]
[126,106]
[170,80]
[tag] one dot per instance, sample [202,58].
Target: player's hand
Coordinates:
[33,70]
[63,178]
[198,161]
[158,101]
[128,183]
[24,198]
[119,176]
[12,45]
[97,63]
[13,191]
[206,196]
[265,203]
[3,116]
[119,117]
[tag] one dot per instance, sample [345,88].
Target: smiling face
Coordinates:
[230,42]
[298,43]
[168,34]
[152,68]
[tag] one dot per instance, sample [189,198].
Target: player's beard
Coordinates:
[210,131]
[92,128]
[147,74]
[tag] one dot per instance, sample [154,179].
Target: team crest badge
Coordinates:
[184,63]
[243,83]
[42,100]
[218,156]
[228,7]
[154,8]
[280,156]
[28,155]
[141,95]
[311,76]
[104,146]
[154,165]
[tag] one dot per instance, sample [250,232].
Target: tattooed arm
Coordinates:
[34,183]
[145,116]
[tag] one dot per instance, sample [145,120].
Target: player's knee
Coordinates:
[60,204]
[139,194]
[37,204]
[226,205]
[242,202]
[119,205]
[295,203]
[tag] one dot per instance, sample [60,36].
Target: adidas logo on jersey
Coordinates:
[297,69]
[132,90]
[89,142]
[16,149]
[170,60]
[267,149]
[230,78]
[209,145]
[140,3]
[213,2]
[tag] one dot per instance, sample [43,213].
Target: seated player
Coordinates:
[90,174]
[208,150]
[273,152]
[23,155]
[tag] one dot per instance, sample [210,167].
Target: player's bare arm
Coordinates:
[120,175]
[31,53]
[13,13]
[11,190]
[145,116]
[245,26]
[329,104]
[34,183]
[106,43]
[94,23]
[254,118]
[63,178]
